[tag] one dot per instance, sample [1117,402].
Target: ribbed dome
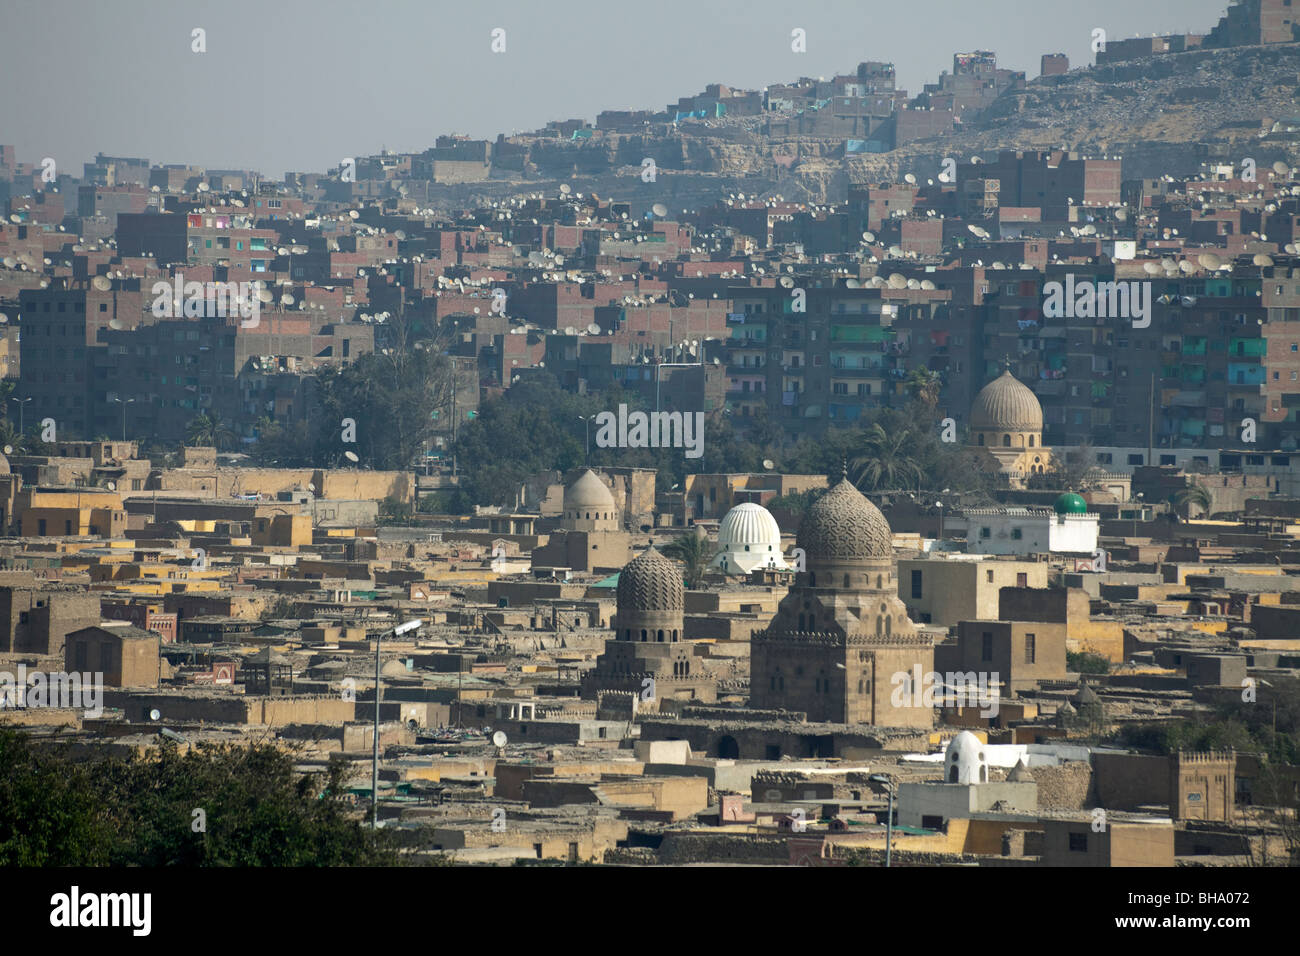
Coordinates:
[842,524]
[651,582]
[587,492]
[1006,405]
[4,465]
[749,524]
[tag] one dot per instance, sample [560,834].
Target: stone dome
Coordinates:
[1006,405]
[651,582]
[1070,504]
[587,492]
[843,525]
[4,465]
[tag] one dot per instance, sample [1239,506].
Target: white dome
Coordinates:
[748,538]
[965,760]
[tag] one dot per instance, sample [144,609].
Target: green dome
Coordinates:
[1070,504]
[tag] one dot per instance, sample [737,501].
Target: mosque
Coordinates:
[1006,430]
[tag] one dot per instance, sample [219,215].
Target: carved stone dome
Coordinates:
[842,525]
[4,465]
[1006,405]
[651,582]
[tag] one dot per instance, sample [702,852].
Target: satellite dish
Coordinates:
[203,187]
[868,237]
[910,179]
[351,456]
[155,714]
[768,464]
[659,209]
[852,284]
[593,329]
[1281,168]
[116,324]
[787,282]
[565,189]
[1262,260]
[9,449]
[286,299]
[101,283]
[499,739]
[10,262]
[112,486]
[353,214]
[3,318]
[1209,260]
[1152,268]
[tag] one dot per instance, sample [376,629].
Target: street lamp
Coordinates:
[398,631]
[586,420]
[22,404]
[888,784]
[124,404]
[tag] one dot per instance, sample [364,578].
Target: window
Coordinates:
[1016,534]
[1022,580]
[1031,649]
[916,584]
[1078,843]
[985,533]
[986,650]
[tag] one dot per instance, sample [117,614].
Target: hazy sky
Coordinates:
[301,84]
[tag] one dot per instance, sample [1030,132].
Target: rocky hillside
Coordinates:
[1164,114]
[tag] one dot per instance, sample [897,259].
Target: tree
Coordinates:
[207,428]
[924,385]
[888,461]
[1184,498]
[694,551]
[256,810]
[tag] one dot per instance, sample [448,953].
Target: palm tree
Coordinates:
[694,551]
[888,462]
[1184,498]
[924,384]
[207,428]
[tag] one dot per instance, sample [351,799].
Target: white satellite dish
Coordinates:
[659,209]
[102,283]
[155,714]
[910,179]
[286,299]
[769,464]
[499,739]
[351,456]
[116,324]
[593,329]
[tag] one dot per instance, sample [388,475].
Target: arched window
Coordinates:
[846,580]
[1006,441]
[686,668]
[1031,441]
[879,583]
[812,579]
[888,621]
[643,635]
[880,627]
[981,439]
[674,635]
[661,635]
[1020,441]
[802,621]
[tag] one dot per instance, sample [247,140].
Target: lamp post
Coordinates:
[22,406]
[398,631]
[124,404]
[889,819]
[586,421]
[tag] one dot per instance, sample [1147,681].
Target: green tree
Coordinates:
[208,428]
[256,810]
[694,551]
[924,385]
[1185,498]
[888,461]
